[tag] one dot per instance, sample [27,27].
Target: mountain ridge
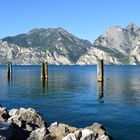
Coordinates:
[55,43]
[117,45]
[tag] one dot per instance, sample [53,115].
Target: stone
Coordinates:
[70,136]
[13,112]
[60,132]
[15,120]
[3,114]
[30,116]
[98,128]
[31,109]
[28,119]
[6,130]
[27,124]
[52,127]
[37,134]
[85,134]
[103,137]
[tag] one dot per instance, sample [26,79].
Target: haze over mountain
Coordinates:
[117,45]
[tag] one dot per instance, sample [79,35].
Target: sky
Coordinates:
[86,19]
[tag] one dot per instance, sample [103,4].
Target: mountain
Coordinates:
[54,45]
[117,45]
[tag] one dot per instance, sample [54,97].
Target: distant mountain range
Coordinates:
[117,45]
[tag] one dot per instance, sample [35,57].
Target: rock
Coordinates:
[13,112]
[70,136]
[87,134]
[27,124]
[15,120]
[3,114]
[65,132]
[98,128]
[64,48]
[60,132]
[30,116]
[103,137]
[30,109]
[6,130]
[52,127]
[37,134]
[28,119]
[101,131]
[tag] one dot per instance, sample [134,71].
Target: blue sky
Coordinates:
[86,19]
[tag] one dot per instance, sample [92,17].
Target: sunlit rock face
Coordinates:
[54,45]
[27,56]
[117,45]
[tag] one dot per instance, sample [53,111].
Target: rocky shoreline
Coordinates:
[28,124]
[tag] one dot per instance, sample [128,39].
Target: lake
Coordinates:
[72,95]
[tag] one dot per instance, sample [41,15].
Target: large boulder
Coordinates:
[27,124]
[13,112]
[28,119]
[101,131]
[3,114]
[70,136]
[98,128]
[85,134]
[37,134]
[65,132]
[59,131]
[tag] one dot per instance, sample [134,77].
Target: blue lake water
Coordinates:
[73,96]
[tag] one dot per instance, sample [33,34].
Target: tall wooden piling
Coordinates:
[9,70]
[44,70]
[100,71]
[100,88]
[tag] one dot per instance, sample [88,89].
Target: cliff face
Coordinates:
[26,56]
[116,46]
[54,45]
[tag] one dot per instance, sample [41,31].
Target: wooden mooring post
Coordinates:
[100,88]
[44,70]
[100,71]
[9,70]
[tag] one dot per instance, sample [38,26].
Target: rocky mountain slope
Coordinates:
[54,45]
[117,45]
[26,56]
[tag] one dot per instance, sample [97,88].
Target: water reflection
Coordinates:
[71,92]
[44,82]
[100,89]
[124,90]
[9,80]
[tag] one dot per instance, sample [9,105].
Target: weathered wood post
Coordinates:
[9,70]
[44,70]
[100,70]
[100,91]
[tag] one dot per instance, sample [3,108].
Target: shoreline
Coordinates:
[28,124]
